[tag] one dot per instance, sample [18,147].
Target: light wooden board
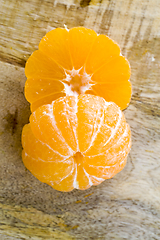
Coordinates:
[125,207]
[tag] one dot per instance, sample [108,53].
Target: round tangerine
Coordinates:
[76,142]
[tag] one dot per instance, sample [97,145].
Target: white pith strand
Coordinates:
[66,175]
[102,120]
[98,179]
[53,150]
[115,129]
[40,159]
[59,181]
[65,26]
[88,176]
[75,183]
[69,112]
[52,182]
[76,111]
[119,140]
[120,153]
[34,114]
[50,108]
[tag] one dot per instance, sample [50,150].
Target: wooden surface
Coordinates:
[125,207]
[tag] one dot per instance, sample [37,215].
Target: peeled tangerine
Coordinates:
[76,142]
[77,61]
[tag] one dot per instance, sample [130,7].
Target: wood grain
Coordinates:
[125,207]
[24,23]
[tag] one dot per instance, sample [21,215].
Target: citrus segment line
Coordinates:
[115,129]
[66,176]
[76,110]
[88,176]
[99,126]
[127,129]
[58,130]
[40,159]
[75,183]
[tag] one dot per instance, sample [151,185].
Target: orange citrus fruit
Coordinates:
[76,141]
[77,61]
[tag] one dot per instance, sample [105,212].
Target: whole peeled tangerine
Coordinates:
[76,142]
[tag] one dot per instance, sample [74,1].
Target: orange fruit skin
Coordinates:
[77,57]
[76,142]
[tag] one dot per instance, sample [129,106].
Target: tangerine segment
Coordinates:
[80,41]
[82,179]
[42,161]
[45,100]
[119,93]
[37,149]
[116,71]
[44,128]
[41,66]
[109,133]
[66,184]
[64,112]
[106,172]
[55,45]
[116,153]
[54,142]
[48,171]
[90,116]
[103,51]
[40,88]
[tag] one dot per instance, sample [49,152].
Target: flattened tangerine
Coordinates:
[75,62]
